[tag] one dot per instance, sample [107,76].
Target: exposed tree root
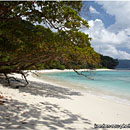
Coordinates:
[7,78]
[24,75]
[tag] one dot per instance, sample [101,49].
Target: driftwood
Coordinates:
[81,73]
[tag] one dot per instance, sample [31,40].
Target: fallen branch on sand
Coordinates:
[81,73]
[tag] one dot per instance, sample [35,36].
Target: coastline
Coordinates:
[111,96]
[50,106]
[69,70]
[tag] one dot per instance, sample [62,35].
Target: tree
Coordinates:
[108,62]
[26,45]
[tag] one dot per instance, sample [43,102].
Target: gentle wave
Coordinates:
[108,84]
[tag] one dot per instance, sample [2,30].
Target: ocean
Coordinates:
[113,84]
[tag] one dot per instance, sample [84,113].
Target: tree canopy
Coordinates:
[108,62]
[27,42]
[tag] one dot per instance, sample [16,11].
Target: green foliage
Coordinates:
[55,14]
[26,45]
[108,62]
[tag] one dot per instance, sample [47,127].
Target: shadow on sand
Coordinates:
[42,89]
[18,115]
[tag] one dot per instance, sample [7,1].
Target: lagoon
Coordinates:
[113,84]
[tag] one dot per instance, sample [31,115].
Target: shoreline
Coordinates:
[110,96]
[58,107]
[69,70]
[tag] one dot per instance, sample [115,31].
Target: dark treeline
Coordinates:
[106,62]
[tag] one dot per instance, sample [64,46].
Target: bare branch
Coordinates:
[24,77]
[80,73]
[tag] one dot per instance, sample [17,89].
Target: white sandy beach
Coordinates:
[44,106]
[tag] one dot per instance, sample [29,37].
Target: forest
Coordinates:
[27,41]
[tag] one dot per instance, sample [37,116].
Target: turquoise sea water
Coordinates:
[110,84]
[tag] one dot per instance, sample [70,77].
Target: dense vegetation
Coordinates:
[25,44]
[105,62]
[108,62]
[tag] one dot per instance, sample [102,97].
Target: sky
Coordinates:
[109,23]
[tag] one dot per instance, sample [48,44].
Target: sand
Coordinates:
[45,106]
